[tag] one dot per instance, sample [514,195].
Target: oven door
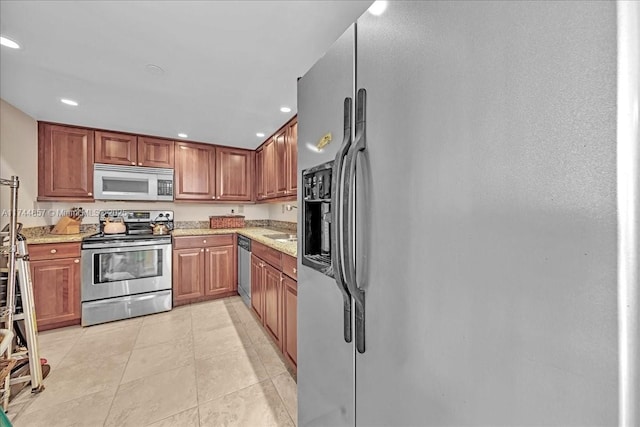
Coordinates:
[110,272]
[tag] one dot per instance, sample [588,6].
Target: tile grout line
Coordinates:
[113,399]
[282,401]
[195,370]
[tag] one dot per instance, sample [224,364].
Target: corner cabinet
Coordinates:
[65,163]
[55,275]
[204,267]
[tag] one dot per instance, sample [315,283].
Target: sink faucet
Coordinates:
[290,207]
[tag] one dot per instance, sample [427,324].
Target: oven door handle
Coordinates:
[151,243]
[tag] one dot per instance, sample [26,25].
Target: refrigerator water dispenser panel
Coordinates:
[316,239]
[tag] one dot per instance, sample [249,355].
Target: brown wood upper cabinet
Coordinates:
[195,171]
[280,151]
[65,163]
[155,152]
[234,167]
[277,164]
[206,172]
[291,163]
[259,177]
[131,150]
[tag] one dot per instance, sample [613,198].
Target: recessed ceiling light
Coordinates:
[9,43]
[69,102]
[378,7]
[183,135]
[260,135]
[154,69]
[285,109]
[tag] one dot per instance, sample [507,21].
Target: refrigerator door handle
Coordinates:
[337,190]
[348,217]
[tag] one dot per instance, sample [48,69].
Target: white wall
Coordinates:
[19,156]
[279,213]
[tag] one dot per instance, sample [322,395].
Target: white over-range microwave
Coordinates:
[112,182]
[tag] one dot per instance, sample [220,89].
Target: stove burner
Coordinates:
[138,227]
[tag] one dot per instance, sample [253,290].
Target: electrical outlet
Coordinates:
[240,209]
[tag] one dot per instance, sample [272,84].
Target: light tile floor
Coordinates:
[206,364]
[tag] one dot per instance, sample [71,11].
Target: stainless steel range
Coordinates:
[127,274]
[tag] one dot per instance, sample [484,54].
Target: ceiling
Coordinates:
[228,65]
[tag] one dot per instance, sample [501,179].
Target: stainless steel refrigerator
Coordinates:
[460,213]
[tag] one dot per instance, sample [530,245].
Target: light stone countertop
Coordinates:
[56,238]
[257,234]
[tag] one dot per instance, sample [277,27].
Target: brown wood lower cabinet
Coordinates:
[204,267]
[273,303]
[257,284]
[55,274]
[290,320]
[274,299]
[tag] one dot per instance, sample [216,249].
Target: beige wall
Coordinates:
[19,156]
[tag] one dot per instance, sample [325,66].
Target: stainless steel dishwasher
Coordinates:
[244,269]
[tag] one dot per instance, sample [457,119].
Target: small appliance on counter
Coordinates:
[126,267]
[69,224]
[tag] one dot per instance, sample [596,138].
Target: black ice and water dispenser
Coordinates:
[316,201]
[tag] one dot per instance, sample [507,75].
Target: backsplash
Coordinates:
[89,228]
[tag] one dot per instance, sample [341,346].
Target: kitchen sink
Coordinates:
[282,237]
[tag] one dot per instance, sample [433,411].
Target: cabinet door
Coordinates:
[188,274]
[234,174]
[273,303]
[220,270]
[195,171]
[280,153]
[292,159]
[65,163]
[290,321]
[259,177]
[56,292]
[269,172]
[115,148]
[155,153]
[257,297]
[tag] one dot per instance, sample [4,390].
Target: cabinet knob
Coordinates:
[133,163]
[140,164]
[89,194]
[201,250]
[76,261]
[207,250]
[53,251]
[214,197]
[295,270]
[204,241]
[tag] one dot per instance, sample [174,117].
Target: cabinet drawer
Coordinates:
[202,241]
[290,266]
[272,256]
[53,251]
